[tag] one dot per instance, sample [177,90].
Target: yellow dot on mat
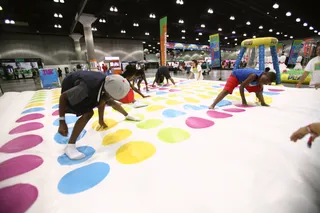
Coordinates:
[56,96]
[191,100]
[135,152]
[213,93]
[153,108]
[187,92]
[238,94]
[233,98]
[267,99]
[116,137]
[55,102]
[34,101]
[208,88]
[205,96]
[96,113]
[173,102]
[141,116]
[174,95]
[35,105]
[110,122]
[137,96]
[158,98]
[149,124]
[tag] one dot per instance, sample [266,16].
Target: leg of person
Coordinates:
[228,89]
[71,150]
[139,82]
[171,79]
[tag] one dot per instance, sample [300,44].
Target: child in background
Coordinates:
[196,70]
[140,76]
[129,74]
[250,79]
[163,72]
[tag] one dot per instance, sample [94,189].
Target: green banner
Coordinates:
[163,41]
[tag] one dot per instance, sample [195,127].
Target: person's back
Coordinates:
[242,74]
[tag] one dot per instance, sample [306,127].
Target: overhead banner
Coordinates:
[215,50]
[294,52]
[49,78]
[163,41]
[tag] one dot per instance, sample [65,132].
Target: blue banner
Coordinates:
[215,50]
[49,78]
[294,53]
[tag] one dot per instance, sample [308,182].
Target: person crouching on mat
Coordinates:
[140,76]
[163,72]
[83,91]
[130,74]
[250,79]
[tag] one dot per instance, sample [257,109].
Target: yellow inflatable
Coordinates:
[255,42]
[293,77]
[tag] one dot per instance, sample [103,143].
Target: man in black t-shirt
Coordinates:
[163,72]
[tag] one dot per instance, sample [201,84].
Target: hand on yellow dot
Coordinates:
[110,123]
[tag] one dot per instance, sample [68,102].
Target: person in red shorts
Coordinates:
[250,79]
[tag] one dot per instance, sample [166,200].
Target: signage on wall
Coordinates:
[294,52]
[163,41]
[49,78]
[215,50]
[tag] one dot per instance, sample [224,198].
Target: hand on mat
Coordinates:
[132,118]
[63,129]
[244,103]
[317,86]
[301,133]
[103,125]
[146,96]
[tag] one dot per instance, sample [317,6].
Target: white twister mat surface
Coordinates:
[181,157]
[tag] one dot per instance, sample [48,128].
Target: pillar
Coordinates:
[86,20]
[274,55]
[261,58]
[77,47]
[242,51]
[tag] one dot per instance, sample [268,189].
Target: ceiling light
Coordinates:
[233,32]
[318,33]
[310,28]
[219,29]
[115,9]
[244,34]
[288,14]
[55,26]
[315,31]
[248,23]
[225,37]
[268,13]
[183,31]
[271,30]
[261,27]
[276,17]
[12,22]
[291,37]
[152,15]
[305,24]
[254,36]
[203,26]
[210,11]
[143,42]
[93,28]
[158,43]
[60,15]
[149,45]
[228,43]
[200,34]
[278,33]
[235,44]
[197,39]
[56,15]
[232,18]
[0,8]
[153,47]
[181,21]
[236,39]
[298,20]
[61,1]
[276,6]
[208,40]
[183,37]
[56,1]
[111,9]
[167,36]
[179,2]
[147,33]
[285,35]
[59,26]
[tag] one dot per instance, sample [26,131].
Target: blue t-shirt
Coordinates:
[242,74]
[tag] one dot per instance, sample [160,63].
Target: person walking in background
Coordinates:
[60,74]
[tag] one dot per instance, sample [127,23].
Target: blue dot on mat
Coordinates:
[271,93]
[69,120]
[64,140]
[36,109]
[83,178]
[215,86]
[171,113]
[161,93]
[87,150]
[224,103]
[55,106]
[192,107]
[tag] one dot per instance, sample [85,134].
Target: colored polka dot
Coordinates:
[216,114]
[158,98]
[173,135]
[116,137]
[55,113]
[234,110]
[69,119]
[141,116]
[276,90]
[233,98]
[55,106]
[21,143]
[161,93]
[213,93]
[215,86]
[154,108]
[64,140]
[191,100]
[194,107]
[17,198]
[242,106]
[198,123]
[173,102]
[267,99]
[30,117]
[36,109]
[173,95]
[204,96]
[238,94]
[172,113]
[87,150]
[55,102]
[19,165]
[126,108]
[135,152]
[224,103]
[174,90]
[137,96]
[83,178]
[149,124]
[271,93]
[26,128]
[96,113]
[110,122]
[163,88]
[34,101]
[35,105]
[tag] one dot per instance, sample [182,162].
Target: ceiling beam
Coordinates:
[82,6]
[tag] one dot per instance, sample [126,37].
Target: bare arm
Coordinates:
[303,77]
[303,131]
[101,107]
[136,90]
[259,95]
[117,107]
[251,78]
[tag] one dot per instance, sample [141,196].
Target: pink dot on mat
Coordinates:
[182,80]
[19,165]
[242,106]
[222,85]
[17,198]
[55,113]
[234,110]
[198,123]
[276,90]
[163,88]
[21,143]
[30,117]
[216,114]
[26,128]
[174,90]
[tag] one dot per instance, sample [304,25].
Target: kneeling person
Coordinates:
[250,79]
[83,91]
[163,72]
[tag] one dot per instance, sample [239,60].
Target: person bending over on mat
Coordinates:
[163,72]
[312,129]
[140,76]
[83,91]
[250,79]
[130,74]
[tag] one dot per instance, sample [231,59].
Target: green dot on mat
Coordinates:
[141,116]
[213,93]
[149,124]
[173,135]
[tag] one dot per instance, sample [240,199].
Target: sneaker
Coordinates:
[137,104]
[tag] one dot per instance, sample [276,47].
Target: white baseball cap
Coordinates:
[117,86]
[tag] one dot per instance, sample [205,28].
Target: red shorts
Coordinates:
[129,98]
[233,82]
